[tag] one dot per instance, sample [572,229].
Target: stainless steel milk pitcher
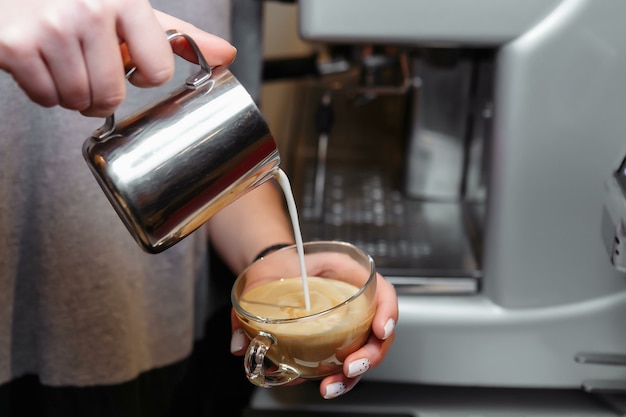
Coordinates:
[171,166]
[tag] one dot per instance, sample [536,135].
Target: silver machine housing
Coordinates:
[545,307]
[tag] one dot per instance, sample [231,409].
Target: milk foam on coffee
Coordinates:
[282,299]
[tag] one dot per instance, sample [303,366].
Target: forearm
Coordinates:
[253,222]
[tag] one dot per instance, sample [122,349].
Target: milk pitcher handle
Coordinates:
[193,81]
[255,366]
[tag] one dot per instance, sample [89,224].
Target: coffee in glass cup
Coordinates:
[289,341]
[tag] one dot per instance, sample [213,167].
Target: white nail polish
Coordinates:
[358,367]
[237,341]
[334,390]
[389,327]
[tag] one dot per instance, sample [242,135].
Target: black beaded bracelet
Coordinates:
[271,249]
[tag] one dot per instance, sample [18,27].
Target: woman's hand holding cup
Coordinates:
[336,345]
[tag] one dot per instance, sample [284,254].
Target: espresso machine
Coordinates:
[490,192]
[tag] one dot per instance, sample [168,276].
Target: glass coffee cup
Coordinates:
[289,340]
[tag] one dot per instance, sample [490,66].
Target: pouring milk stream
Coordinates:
[283,180]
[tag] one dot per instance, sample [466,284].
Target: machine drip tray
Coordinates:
[420,246]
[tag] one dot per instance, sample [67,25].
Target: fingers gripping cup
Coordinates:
[289,341]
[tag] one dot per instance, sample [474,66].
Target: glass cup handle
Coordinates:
[254,364]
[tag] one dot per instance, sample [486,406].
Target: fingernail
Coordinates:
[334,390]
[389,327]
[358,367]
[237,341]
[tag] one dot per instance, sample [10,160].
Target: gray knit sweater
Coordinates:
[80,302]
